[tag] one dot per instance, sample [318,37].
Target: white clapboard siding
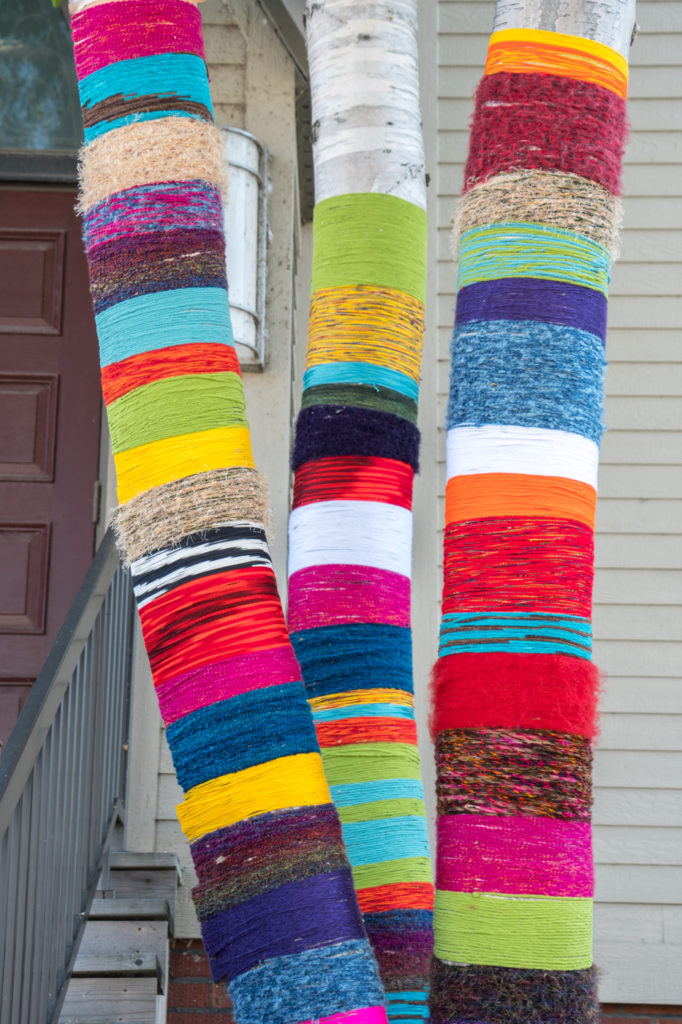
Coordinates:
[638,587]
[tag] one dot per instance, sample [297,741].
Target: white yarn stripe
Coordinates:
[365,98]
[163,583]
[166,556]
[532,450]
[370,533]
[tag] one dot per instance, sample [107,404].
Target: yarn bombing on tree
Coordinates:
[355,456]
[514,690]
[275,895]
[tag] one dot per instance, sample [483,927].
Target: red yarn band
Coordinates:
[359,478]
[518,564]
[515,691]
[176,361]
[547,123]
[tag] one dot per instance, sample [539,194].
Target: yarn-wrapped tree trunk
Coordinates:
[515,691]
[355,456]
[275,897]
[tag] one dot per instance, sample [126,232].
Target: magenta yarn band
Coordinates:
[110,33]
[182,694]
[328,595]
[538,856]
[368,1015]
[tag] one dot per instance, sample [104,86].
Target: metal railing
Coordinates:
[62,782]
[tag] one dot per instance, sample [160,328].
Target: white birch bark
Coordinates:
[611,22]
[365,98]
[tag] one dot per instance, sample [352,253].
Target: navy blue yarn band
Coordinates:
[326,430]
[356,656]
[271,722]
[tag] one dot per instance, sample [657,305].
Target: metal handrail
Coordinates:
[62,783]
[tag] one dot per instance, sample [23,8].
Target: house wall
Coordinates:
[252,86]
[638,588]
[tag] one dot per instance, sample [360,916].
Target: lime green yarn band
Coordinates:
[532,250]
[393,872]
[382,809]
[546,933]
[369,238]
[370,762]
[176,405]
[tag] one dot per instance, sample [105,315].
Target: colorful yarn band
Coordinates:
[533,51]
[288,937]
[355,455]
[514,689]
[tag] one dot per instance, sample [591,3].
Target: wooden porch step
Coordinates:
[132,910]
[120,965]
[110,1000]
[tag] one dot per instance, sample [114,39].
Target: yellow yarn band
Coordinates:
[547,933]
[160,462]
[295,781]
[347,700]
[365,324]
[535,51]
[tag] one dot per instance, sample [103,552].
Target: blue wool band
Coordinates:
[356,656]
[102,127]
[361,373]
[398,920]
[172,75]
[184,316]
[527,374]
[518,632]
[264,724]
[309,985]
[408,1005]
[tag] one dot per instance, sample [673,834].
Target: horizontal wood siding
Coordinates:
[638,588]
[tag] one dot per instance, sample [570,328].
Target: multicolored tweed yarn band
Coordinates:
[275,895]
[355,456]
[514,690]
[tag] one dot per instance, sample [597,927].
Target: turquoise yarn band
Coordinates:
[534,251]
[361,373]
[182,316]
[521,633]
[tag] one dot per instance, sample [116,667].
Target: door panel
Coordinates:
[49,430]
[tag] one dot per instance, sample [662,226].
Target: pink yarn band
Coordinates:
[539,856]
[221,680]
[368,1015]
[329,595]
[127,29]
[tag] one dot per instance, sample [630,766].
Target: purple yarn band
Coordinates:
[326,430]
[298,916]
[550,302]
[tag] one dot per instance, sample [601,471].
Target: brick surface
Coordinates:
[188,995]
[219,998]
[622,1018]
[189,962]
[198,1017]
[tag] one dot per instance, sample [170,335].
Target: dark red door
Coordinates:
[49,430]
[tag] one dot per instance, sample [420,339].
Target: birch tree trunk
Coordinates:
[355,454]
[514,689]
[275,897]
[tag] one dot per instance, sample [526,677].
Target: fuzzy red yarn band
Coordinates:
[548,123]
[515,691]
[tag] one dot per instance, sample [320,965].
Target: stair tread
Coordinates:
[120,965]
[125,860]
[110,1000]
[151,909]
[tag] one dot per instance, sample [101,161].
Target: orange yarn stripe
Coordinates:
[534,56]
[404,896]
[175,361]
[359,730]
[484,495]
